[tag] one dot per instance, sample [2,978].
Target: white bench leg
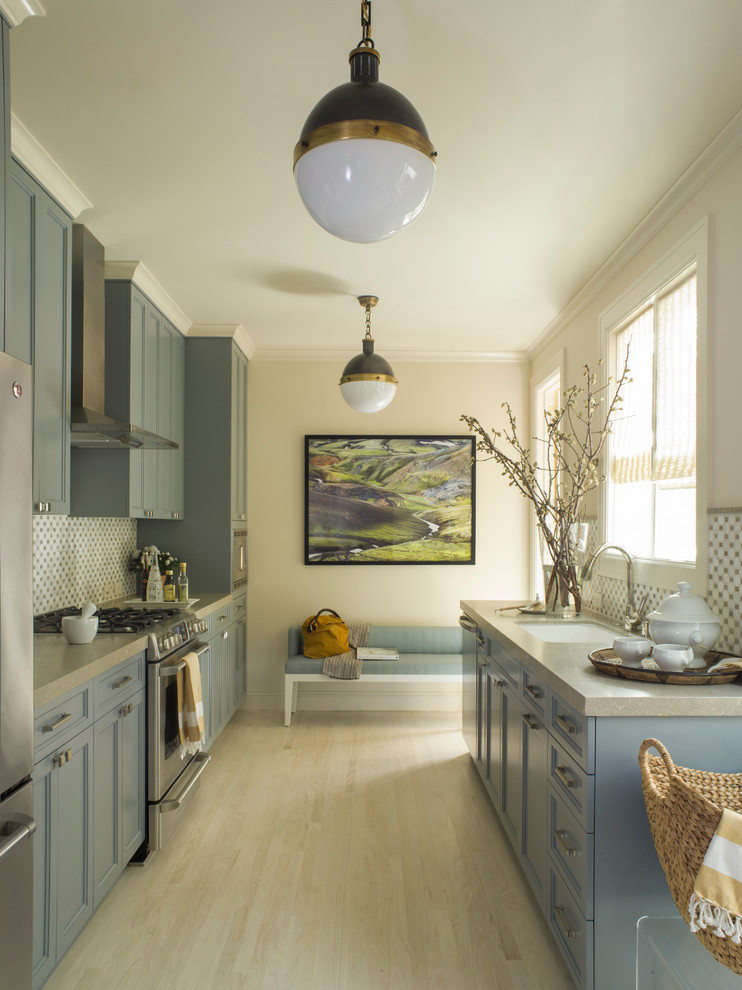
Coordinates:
[289,700]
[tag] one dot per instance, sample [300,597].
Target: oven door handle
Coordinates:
[203,759]
[170,670]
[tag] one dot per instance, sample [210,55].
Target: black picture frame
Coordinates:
[389,499]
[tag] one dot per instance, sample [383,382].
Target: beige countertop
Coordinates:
[60,667]
[566,668]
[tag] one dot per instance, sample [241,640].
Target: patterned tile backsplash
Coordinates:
[76,560]
[81,559]
[724,595]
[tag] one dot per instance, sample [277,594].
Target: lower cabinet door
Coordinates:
[120,791]
[534,845]
[133,730]
[512,765]
[74,834]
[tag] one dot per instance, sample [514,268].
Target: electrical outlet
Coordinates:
[108,591]
[118,589]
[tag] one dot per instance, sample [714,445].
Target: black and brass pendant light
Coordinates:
[364,164]
[368,383]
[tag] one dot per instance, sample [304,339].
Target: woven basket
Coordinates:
[684,808]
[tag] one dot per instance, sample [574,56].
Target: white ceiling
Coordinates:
[558,125]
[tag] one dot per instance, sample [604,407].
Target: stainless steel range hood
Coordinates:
[91,427]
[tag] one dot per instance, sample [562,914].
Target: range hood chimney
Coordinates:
[91,427]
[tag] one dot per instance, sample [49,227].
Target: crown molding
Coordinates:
[140,275]
[395,357]
[724,146]
[26,149]
[16,11]
[238,334]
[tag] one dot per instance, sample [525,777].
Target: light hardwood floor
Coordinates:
[352,851]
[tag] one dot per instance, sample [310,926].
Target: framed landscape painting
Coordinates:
[389,500]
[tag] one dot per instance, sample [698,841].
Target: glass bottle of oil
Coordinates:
[182,583]
[168,589]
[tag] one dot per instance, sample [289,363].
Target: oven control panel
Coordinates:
[175,635]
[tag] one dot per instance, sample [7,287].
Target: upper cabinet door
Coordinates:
[239,438]
[38,305]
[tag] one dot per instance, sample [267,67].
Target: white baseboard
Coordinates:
[358,697]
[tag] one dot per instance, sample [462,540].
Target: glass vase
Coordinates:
[563,559]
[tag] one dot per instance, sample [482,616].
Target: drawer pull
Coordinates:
[121,681]
[565,779]
[565,724]
[559,918]
[559,835]
[65,757]
[534,692]
[530,721]
[64,717]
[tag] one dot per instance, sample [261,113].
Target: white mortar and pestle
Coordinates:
[79,629]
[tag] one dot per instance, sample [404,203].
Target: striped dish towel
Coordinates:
[346,666]
[190,707]
[716,901]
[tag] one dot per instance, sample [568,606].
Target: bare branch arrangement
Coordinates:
[568,469]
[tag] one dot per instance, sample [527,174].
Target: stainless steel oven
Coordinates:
[172,780]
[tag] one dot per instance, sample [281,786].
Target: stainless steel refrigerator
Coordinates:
[16,676]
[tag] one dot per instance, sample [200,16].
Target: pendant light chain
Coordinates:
[367,40]
[368,321]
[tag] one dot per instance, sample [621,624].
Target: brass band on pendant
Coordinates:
[384,130]
[368,378]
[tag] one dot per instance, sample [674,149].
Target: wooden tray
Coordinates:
[607,662]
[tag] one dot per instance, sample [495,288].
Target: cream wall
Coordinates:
[719,199]
[290,399]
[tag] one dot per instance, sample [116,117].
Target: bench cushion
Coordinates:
[413,663]
[407,639]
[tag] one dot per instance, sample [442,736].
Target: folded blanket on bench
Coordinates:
[346,666]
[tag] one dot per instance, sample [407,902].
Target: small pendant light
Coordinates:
[364,164]
[368,384]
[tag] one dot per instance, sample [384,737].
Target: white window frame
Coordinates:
[691,250]
[542,377]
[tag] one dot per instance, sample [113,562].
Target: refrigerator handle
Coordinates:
[21,830]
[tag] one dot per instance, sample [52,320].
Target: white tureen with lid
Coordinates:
[685,619]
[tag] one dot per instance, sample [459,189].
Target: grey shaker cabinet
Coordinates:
[144,384]
[63,849]
[38,304]
[239,439]
[4,166]
[89,803]
[119,786]
[215,480]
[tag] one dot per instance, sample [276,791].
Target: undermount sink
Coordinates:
[569,632]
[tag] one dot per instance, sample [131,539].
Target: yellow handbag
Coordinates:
[325,635]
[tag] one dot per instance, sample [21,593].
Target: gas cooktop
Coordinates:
[110,620]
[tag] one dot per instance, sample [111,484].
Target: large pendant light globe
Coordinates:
[364,164]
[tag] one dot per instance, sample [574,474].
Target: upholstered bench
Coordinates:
[426,654]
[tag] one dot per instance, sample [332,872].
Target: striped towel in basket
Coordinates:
[716,901]
[190,707]
[346,666]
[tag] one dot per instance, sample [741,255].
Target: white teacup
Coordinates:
[672,656]
[631,649]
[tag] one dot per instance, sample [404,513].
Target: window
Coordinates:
[651,498]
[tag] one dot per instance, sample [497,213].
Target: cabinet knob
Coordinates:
[126,710]
[62,758]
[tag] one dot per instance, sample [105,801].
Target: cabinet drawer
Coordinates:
[510,668]
[238,608]
[574,731]
[118,683]
[220,619]
[572,848]
[534,692]
[573,934]
[62,719]
[576,787]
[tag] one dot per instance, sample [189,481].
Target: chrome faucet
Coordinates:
[633,617]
